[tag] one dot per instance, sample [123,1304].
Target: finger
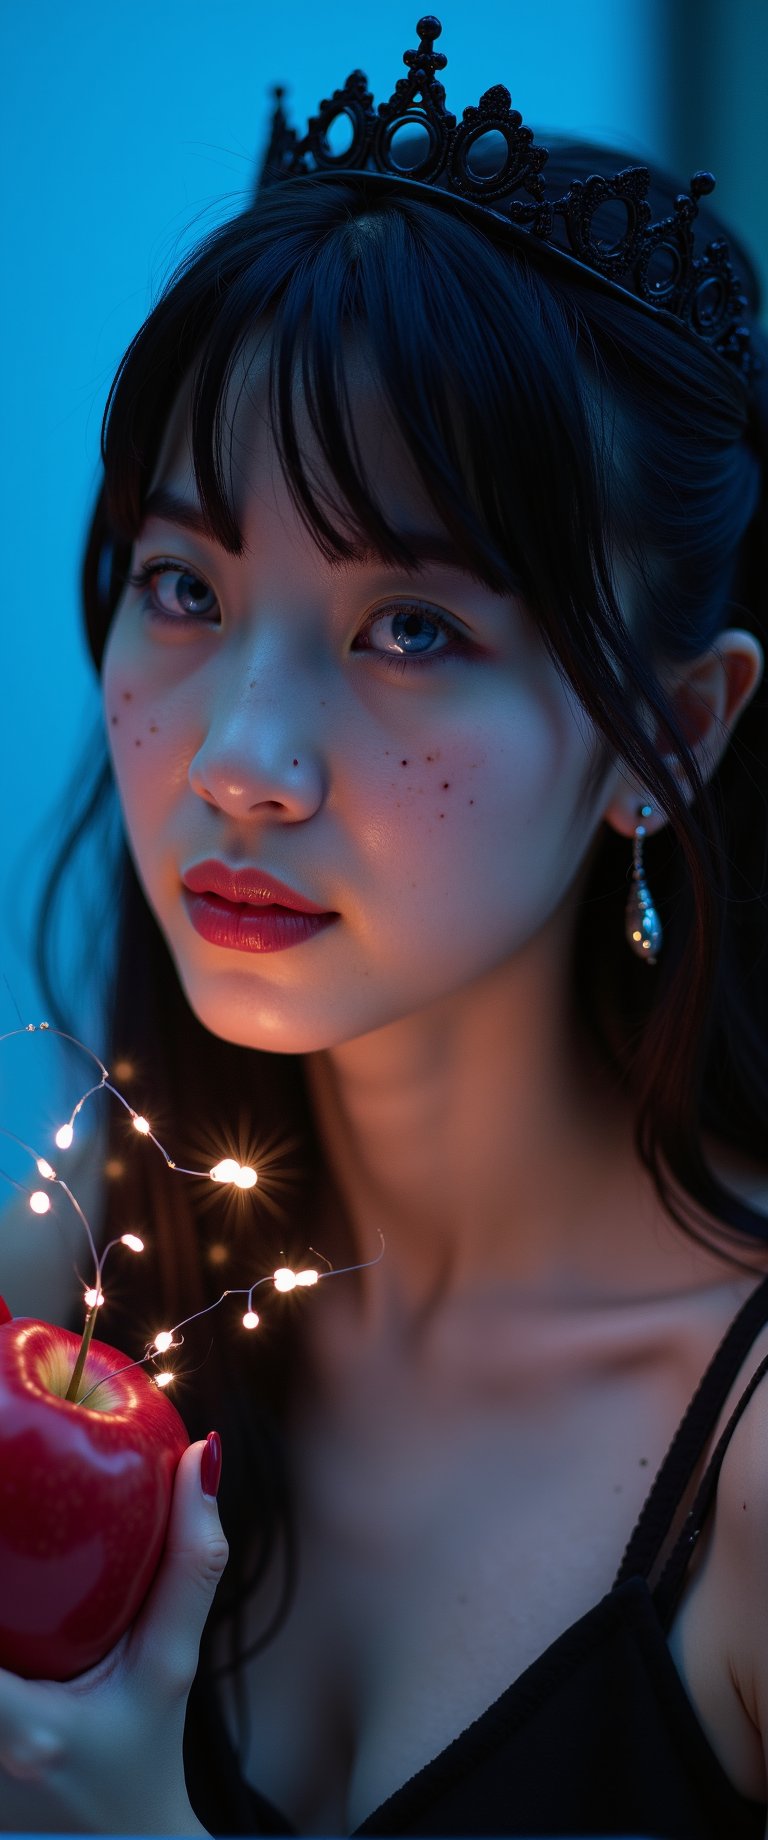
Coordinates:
[166,1636]
[29,1740]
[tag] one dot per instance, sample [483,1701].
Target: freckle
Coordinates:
[471,801]
[643,1462]
[295,763]
[115,720]
[403,763]
[153,728]
[137,743]
[252,684]
[446,784]
[127,696]
[744,1506]
[441,814]
[430,756]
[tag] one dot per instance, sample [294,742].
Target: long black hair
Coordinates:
[554,426]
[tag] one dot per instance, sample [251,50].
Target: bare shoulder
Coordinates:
[39,1252]
[739,1548]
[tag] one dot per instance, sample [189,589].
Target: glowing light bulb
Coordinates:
[64,1136]
[141,1125]
[637,936]
[39,1202]
[250,1320]
[245,1178]
[226,1171]
[163,1340]
[284,1279]
[163,1379]
[307,1277]
[44,1169]
[93,1297]
[132,1240]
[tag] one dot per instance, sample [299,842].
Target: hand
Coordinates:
[103,1753]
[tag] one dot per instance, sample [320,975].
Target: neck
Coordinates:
[483,1140]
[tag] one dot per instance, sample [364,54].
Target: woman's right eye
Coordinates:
[175,595]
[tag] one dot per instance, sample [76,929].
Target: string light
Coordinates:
[228,1171]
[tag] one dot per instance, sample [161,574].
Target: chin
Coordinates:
[233,1008]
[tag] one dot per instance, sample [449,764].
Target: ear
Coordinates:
[708,695]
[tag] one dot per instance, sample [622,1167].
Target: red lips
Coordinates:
[251,886]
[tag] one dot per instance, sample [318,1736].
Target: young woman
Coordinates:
[426,587]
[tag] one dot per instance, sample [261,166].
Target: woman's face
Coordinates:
[396,747]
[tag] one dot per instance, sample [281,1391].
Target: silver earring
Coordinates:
[642,925]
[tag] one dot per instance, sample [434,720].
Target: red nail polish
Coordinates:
[210,1465]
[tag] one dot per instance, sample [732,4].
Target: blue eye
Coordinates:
[180,585]
[408,621]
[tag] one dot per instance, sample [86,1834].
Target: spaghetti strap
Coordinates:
[695,1428]
[672,1578]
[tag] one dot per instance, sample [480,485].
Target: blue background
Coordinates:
[127,133]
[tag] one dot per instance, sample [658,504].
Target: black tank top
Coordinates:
[598,1735]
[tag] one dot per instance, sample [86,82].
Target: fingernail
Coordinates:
[210,1465]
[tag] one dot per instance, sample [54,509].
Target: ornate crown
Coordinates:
[490,162]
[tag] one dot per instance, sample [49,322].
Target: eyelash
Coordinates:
[401,661]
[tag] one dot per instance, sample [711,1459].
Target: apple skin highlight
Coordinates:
[85,1496]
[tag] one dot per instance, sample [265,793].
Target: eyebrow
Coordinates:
[172,509]
[427,545]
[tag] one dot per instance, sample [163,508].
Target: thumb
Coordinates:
[168,1630]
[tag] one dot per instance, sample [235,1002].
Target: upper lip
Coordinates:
[251,885]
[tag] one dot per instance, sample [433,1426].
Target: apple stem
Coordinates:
[77,1372]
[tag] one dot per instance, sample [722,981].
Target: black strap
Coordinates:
[672,1578]
[696,1427]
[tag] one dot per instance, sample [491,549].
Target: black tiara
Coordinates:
[491,163]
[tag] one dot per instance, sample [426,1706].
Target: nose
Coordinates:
[258,751]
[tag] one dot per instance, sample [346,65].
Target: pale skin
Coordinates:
[463,1116]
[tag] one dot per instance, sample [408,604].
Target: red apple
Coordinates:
[85,1494]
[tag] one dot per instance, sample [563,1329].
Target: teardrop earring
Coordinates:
[642,925]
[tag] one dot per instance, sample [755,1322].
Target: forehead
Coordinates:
[252,470]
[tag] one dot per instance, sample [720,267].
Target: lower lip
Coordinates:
[251,929]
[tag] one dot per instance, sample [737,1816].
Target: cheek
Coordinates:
[478,781]
[137,735]
[483,813]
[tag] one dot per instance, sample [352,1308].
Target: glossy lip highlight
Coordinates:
[252,887]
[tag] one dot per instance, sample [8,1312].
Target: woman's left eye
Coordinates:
[178,585]
[412,630]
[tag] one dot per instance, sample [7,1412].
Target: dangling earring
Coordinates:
[642,924]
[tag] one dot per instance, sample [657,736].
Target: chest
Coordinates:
[440,1552]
